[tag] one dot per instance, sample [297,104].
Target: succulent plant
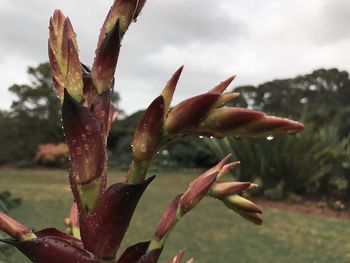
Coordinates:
[100,216]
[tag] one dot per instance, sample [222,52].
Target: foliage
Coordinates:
[100,215]
[52,154]
[306,163]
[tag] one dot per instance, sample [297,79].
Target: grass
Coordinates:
[210,233]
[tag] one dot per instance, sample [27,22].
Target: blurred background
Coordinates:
[291,59]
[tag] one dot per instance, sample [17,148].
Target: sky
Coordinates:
[253,39]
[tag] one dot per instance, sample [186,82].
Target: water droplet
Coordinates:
[103,113]
[269,138]
[74,142]
[143,147]
[88,129]
[86,147]
[201,137]
[84,137]
[78,151]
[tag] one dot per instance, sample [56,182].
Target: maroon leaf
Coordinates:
[85,138]
[101,107]
[133,253]
[53,249]
[103,229]
[151,256]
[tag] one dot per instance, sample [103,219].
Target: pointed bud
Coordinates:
[178,257]
[254,218]
[191,260]
[123,10]
[226,168]
[239,203]
[188,113]
[224,99]
[168,220]
[220,190]
[106,59]
[148,131]
[226,121]
[222,86]
[270,125]
[63,54]
[74,221]
[169,90]
[199,188]
[74,79]
[15,229]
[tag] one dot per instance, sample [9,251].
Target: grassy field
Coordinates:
[210,233]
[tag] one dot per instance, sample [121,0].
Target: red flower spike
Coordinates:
[151,256]
[222,86]
[53,249]
[168,219]
[178,257]
[188,113]
[85,139]
[220,190]
[15,229]
[148,131]
[103,229]
[200,187]
[103,69]
[169,90]
[125,11]
[133,253]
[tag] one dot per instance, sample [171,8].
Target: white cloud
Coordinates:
[257,40]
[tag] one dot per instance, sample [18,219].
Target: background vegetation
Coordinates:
[315,162]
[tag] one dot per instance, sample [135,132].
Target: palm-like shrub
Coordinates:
[300,164]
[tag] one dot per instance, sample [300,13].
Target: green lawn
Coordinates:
[210,233]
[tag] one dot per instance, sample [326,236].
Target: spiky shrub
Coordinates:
[101,215]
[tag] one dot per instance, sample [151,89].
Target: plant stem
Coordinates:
[137,171]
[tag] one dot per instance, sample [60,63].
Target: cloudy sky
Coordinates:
[253,39]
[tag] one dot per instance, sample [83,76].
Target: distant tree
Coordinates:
[324,92]
[34,117]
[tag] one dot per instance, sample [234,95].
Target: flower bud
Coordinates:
[239,203]
[15,229]
[169,90]
[107,53]
[188,113]
[178,257]
[148,131]
[220,190]
[63,54]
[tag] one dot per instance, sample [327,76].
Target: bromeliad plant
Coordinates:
[100,216]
